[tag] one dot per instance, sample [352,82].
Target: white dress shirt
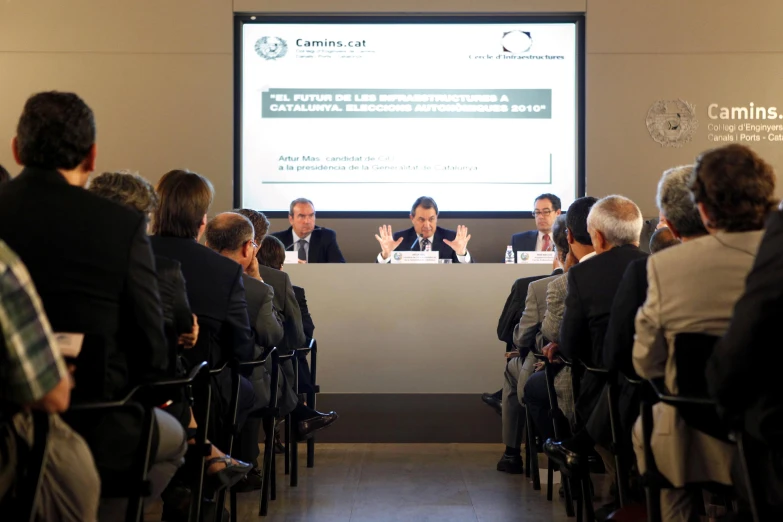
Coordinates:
[461,259]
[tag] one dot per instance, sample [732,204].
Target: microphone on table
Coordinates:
[415,242]
[289,246]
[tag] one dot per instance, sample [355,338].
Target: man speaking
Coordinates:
[312,244]
[425,235]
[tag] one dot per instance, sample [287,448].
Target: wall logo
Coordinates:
[271,47]
[517,42]
[672,122]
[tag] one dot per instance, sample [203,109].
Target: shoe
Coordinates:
[493,401]
[250,482]
[603,512]
[511,464]
[305,428]
[226,477]
[279,448]
[563,456]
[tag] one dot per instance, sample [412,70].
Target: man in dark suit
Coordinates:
[91,262]
[546,209]
[614,224]
[425,235]
[313,244]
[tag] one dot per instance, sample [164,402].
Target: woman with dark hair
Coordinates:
[693,289]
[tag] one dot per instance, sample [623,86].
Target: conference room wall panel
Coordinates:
[409,6]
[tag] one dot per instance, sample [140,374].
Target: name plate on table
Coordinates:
[536,257]
[415,257]
[291,258]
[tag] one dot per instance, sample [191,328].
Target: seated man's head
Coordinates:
[560,238]
[301,216]
[579,241]
[185,198]
[662,239]
[424,216]
[733,189]
[259,220]
[232,235]
[4,175]
[126,188]
[614,221]
[271,253]
[547,208]
[677,210]
[57,132]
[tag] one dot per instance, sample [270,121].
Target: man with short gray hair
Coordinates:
[312,244]
[614,225]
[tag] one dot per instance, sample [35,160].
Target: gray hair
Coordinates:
[299,201]
[618,219]
[676,203]
[662,239]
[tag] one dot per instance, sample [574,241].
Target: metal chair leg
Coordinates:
[269,451]
[287,444]
[569,498]
[550,477]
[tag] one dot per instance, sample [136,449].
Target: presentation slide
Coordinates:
[369,116]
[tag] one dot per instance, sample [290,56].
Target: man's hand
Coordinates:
[301,261]
[460,243]
[556,263]
[571,260]
[550,351]
[252,270]
[385,237]
[188,340]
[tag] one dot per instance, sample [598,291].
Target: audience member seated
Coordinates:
[744,369]
[33,376]
[271,255]
[425,235]
[309,329]
[546,209]
[693,288]
[94,270]
[4,175]
[536,395]
[180,323]
[311,243]
[614,225]
[521,362]
[662,239]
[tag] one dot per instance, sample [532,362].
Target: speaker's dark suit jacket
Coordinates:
[524,242]
[592,286]
[409,242]
[91,263]
[515,305]
[285,302]
[323,245]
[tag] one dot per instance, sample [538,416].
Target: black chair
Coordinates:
[691,352]
[141,401]
[30,465]
[312,395]
[291,444]
[558,420]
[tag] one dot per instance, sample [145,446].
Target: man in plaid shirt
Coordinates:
[33,375]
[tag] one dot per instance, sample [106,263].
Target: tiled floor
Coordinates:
[405,483]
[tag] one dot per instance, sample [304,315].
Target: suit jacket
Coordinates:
[648,229]
[285,302]
[743,355]
[217,296]
[592,286]
[693,287]
[618,343]
[323,245]
[555,304]
[266,325]
[91,263]
[512,310]
[524,242]
[409,242]
[177,315]
[532,316]
[307,321]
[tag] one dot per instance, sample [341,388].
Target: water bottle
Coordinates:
[509,255]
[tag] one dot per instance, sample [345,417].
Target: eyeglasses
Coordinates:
[254,244]
[544,212]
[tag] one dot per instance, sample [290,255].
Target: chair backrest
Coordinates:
[691,352]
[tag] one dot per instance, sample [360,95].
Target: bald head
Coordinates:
[228,232]
[617,219]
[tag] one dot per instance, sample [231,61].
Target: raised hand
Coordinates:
[460,243]
[385,237]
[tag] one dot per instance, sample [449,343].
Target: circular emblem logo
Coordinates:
[672,122]
[524,256]
[517,42]
[397,256]
[271,47]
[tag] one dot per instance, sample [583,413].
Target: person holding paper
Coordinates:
[311,243]
[425,235]
[547,208]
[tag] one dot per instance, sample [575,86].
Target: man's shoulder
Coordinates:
[274,276]
[326,233]
[445,233]
[191,252]
[543,283]
[280,234]
[404,233]
[253,285]
[522,235]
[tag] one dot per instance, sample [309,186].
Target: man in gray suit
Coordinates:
[521,362]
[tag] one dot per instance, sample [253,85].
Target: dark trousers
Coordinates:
[537,400]
[246,444]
